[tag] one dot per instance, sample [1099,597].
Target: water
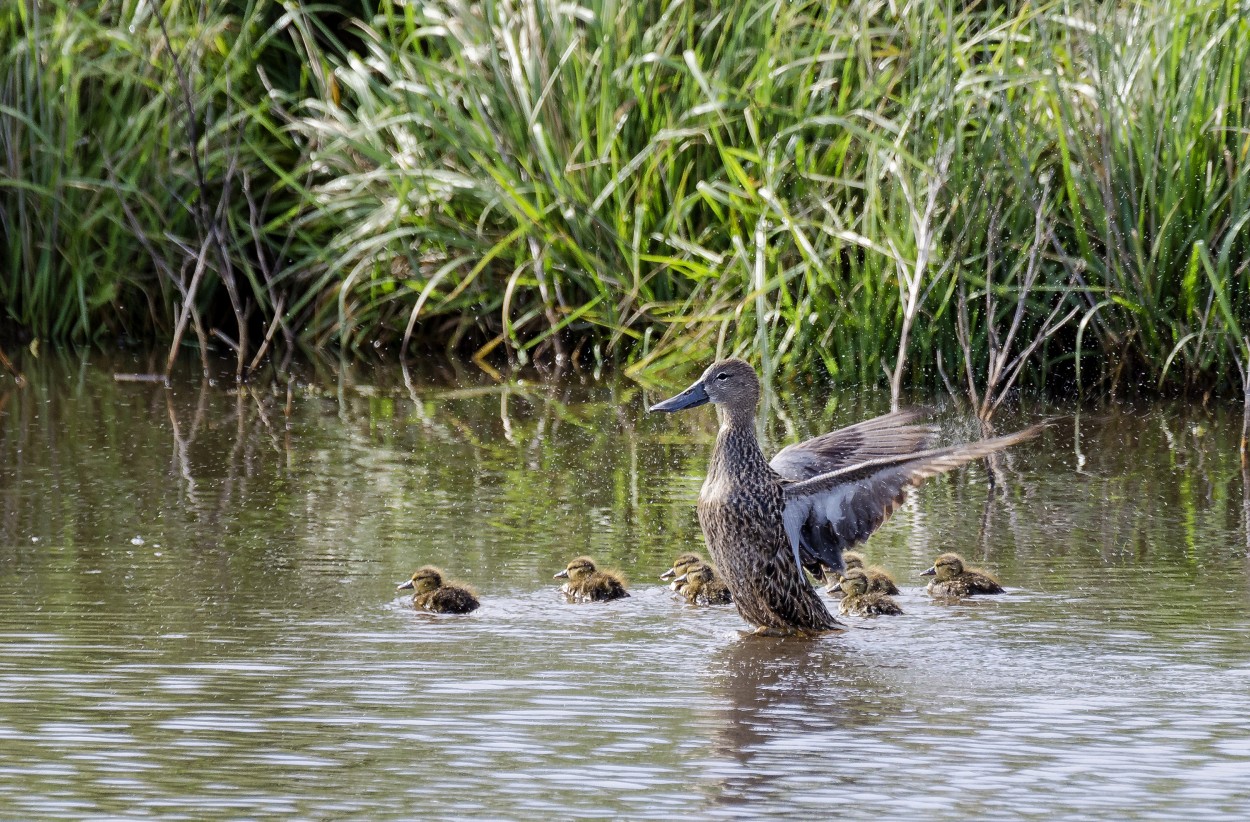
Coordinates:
[198,615]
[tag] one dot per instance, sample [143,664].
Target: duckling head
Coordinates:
[424,580]
[854,582]
[852,559]
[945,567]
[683,563]
[730,383]
[579,568]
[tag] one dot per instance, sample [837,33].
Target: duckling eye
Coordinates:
[722,376]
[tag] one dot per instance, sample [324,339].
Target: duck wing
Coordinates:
[889,435]
[834,511]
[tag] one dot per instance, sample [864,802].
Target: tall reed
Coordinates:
[874,189]
[142,164]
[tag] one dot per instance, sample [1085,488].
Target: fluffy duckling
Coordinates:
[681,565]
[586,584]
[857,600]
[430,593]
[879,579]
[700,586]
[952,579]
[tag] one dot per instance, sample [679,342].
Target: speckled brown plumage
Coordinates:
[951,579]
[588,584]
[701,586]
[740,509]
[431,593]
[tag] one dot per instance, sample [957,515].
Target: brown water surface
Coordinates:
[198,615]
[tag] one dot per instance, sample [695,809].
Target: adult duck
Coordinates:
[431,593]
[952,579]
[764,521]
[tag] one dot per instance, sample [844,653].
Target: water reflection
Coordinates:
[197,613]
[783,701]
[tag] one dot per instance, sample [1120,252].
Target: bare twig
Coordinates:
[273,326]
[189,310]
[18,377]
[224,337]
[208,225]
[1002,368]
[946,380]
[911,276]
[267,272]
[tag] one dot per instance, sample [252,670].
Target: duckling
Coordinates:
[952,579]
[585,584]
[700,586]
[859,601]
[432,594]
[879,579]
[681,565]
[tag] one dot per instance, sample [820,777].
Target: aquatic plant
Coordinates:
[986,196]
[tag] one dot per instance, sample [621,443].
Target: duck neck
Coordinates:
[737,447]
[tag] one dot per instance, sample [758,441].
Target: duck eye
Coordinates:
[722,376]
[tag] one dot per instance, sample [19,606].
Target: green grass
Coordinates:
[644,183]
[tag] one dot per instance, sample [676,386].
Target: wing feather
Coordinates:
[836,510]
[885,436]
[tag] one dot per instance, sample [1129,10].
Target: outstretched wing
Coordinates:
[890,435]
[829,513]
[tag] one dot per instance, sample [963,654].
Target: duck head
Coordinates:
[423,581]
[682,564]
[729,384]
[945,567]
[579,568]
[854,582]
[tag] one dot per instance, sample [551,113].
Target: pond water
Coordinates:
[198,615]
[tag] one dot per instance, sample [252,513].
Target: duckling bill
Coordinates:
[952,579]
[588,584]
[681,565]
[431,593]
[765,521]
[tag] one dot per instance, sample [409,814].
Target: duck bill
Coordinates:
[669,574]
[401,586]
[693,396]
[680,580]
[562,575]
[929,573]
